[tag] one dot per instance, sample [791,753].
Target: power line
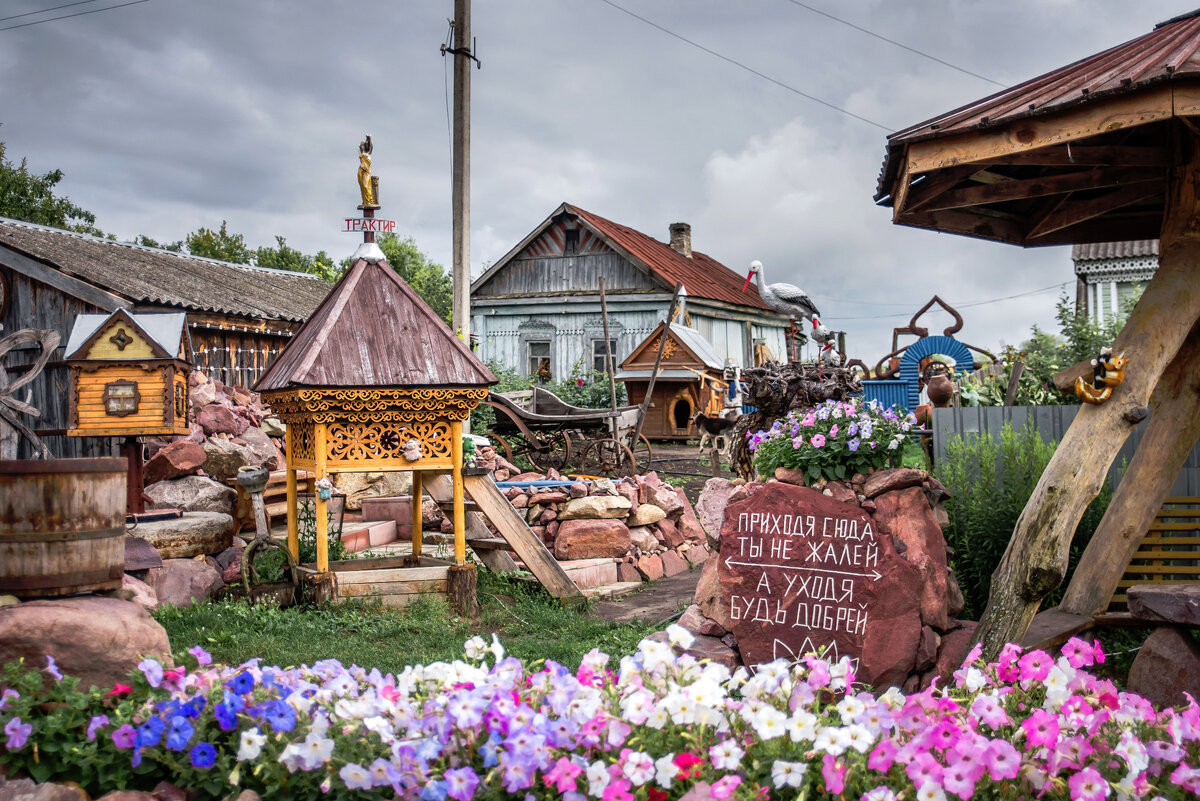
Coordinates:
[747,68]
[967,305]
[76,14]
[47,10]
[897,44]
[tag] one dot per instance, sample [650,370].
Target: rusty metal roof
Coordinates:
[702,275]
[150,276]
[1169,52]
[1101,251]
[373,330]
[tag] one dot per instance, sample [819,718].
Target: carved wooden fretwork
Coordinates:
[303,438]
[668,348]
[355,442]
[375,405]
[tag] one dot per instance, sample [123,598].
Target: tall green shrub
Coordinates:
[990,480]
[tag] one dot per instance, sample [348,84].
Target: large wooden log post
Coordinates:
[1036,559]
[1170,435]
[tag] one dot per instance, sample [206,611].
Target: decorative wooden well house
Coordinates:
[376,381]
[129,378]
[690,380]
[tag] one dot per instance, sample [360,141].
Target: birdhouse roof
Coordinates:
[700,349]
[1077,155]
[374,330]
[166,331]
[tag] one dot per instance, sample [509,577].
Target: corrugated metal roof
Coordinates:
[698,345]
[165,329]
[373,330]
[673,375]
[159,277]
[1098,251]
[1169,52]
[703,276]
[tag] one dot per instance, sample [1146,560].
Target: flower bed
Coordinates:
[654,726]
[832,441]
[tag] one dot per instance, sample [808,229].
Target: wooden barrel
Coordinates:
[62,526]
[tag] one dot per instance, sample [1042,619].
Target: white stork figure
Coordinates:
[785,299]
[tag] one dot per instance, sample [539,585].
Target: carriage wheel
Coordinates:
[607,457]
[643,454]
[504,446]
[549,449]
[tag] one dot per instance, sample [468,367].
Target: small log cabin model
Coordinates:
[128,375]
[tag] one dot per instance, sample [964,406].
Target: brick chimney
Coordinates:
[681,238]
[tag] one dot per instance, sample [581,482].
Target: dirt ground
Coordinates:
[677,461]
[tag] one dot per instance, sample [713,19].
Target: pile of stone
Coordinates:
[912,634]
[641,521]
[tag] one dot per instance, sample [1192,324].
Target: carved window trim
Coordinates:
[110,395]
[181,400]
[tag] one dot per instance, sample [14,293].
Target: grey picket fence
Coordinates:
[1051,423]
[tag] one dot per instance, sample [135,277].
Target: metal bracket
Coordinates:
[463,51]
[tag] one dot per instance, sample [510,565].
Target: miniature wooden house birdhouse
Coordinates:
[128,375]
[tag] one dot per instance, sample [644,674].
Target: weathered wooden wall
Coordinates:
[1051,423]
[564,274]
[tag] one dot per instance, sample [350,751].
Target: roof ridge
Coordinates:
[135,246]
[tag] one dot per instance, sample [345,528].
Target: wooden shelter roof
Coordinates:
[374,331]
[1077,155]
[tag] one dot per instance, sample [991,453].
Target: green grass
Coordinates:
[530,623]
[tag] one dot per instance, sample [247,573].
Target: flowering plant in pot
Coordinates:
[833,440]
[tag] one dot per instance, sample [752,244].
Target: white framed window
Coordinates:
[537,352]
[599,358]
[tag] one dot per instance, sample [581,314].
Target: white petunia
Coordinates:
[726,755]
[787,774]
[638,768]
[930,791]
[665,771]
[250,745]
[680,637]
[598,778]
[802,726]
[475,647]
[850,708]
[768,722]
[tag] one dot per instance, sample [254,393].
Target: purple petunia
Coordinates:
[52,668]
[124,737]
[152,670]
[202,657]
[18,733]
[94,725]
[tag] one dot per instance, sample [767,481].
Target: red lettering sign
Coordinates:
[364,224]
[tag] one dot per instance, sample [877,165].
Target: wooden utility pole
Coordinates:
[461,181]
[610,368]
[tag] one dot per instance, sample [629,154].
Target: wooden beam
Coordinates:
[1032,133]
[1042,187]
[1088,156]
[1168,439]
[1036,558]
[1073,213]
[930,187]
[968,223]
[52,276]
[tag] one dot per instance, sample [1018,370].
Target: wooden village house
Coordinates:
[690,380]
[1109,274]
[537,309]
[238,316]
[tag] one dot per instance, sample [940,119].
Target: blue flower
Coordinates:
[226,717]
[233,701]
[180,734]
[150,732]
[280,715]
[203,756]
[852,445]
[193,708]
[489,751]
[434,791]
[242,683]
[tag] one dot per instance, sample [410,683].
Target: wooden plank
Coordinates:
[1164,570]
[390,574]
[513,528]
[1027,135]
[1156,526]
[1054,627]
[420,587]
[1192,541]
[491,544]
[1162,553]
[1072,213]
[1177,500]
[440,488]
[1088,156]
[1041,187]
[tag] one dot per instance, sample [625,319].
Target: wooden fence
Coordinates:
[1051,423]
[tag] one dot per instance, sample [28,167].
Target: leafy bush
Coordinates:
[990,480]
[659,726]
[833,441]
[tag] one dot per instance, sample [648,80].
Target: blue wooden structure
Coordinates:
[905,391]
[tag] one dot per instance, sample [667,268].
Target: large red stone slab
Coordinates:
[171,461]
[1166,667]
[800,571]
[590,539]
[906,515]
[1172,603]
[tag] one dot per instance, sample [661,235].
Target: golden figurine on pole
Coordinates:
[368,186]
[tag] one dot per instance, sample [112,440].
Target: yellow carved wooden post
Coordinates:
[293,531]
[418,498]
[319,506]
[460,512]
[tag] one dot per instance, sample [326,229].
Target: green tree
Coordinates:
[29,196]
[174,247]
[428,278]
[219,245]
[285,257]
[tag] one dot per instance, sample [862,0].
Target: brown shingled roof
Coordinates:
[702,275]
[151,276]
[1099,251]
[374,331]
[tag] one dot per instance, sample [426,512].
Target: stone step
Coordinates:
[615,590]
[360,536]
[591,572]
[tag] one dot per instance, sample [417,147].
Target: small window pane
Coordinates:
[598,356]
[539,360]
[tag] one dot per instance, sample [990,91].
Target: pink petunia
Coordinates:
[818,441]
[723,788]
[1088,785]
[618,791]
[1003,761]
[562,776]
[833,432]
[834,774]
[957,779]
[1041,729]
[1035,666]
[924,768]
[882,756]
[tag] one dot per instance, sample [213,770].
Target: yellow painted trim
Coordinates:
[322,521]
[293,523]
[460,511]
[418,497]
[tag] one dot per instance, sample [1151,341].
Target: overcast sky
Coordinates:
[167,115]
